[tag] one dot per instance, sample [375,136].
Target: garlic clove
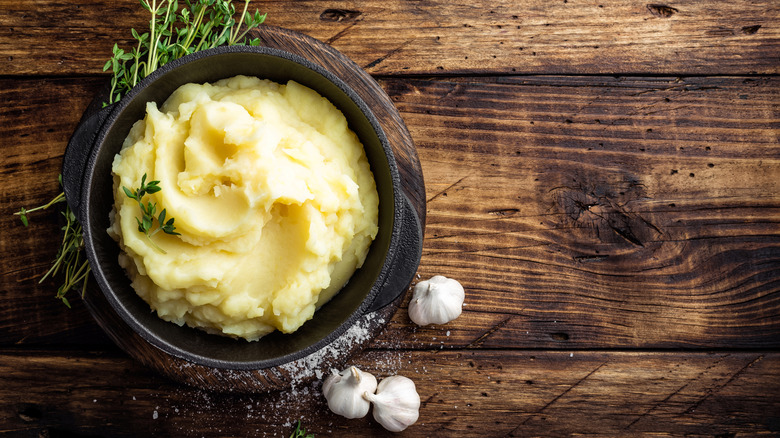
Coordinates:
[436,301]
[396,403]
[344,392]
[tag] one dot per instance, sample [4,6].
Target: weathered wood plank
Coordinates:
[435,37]
[633,211]
[565,205]
[464,393]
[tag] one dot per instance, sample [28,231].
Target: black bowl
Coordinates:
[389,267]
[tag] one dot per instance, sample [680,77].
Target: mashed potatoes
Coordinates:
[271,192]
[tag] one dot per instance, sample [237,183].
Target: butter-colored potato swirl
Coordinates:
[271,192]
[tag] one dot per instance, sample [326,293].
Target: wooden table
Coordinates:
[602,176]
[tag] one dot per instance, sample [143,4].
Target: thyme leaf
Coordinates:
[175,32]
[146,223]
[23,212]
[70,260]
[300,432]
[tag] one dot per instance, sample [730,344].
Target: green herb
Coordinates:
[173,33]
[23,212]
[300,432]
[70,259]
[148,210]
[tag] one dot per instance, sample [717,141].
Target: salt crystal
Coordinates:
[448,332]
[154,415]
[311,365]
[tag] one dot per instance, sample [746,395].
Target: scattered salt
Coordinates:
[154,415]
[310,366]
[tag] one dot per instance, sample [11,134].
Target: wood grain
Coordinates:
[471,393]
[614,221]
[440,37]
[565,205]
[639,212]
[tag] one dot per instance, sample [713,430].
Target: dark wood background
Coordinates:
[603,177]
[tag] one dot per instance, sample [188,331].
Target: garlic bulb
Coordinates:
[436,301]
[344,392]
[396,403]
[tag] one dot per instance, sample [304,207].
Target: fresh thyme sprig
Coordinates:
[300,432]
[23,212]
[70,257]
[148,210]
[200,25]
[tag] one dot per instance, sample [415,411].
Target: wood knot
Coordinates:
[750,30]
[504,212]
[661,11]
[605,210]
[30,413]
[339,15]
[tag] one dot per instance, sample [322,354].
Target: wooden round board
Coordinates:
[356,338]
